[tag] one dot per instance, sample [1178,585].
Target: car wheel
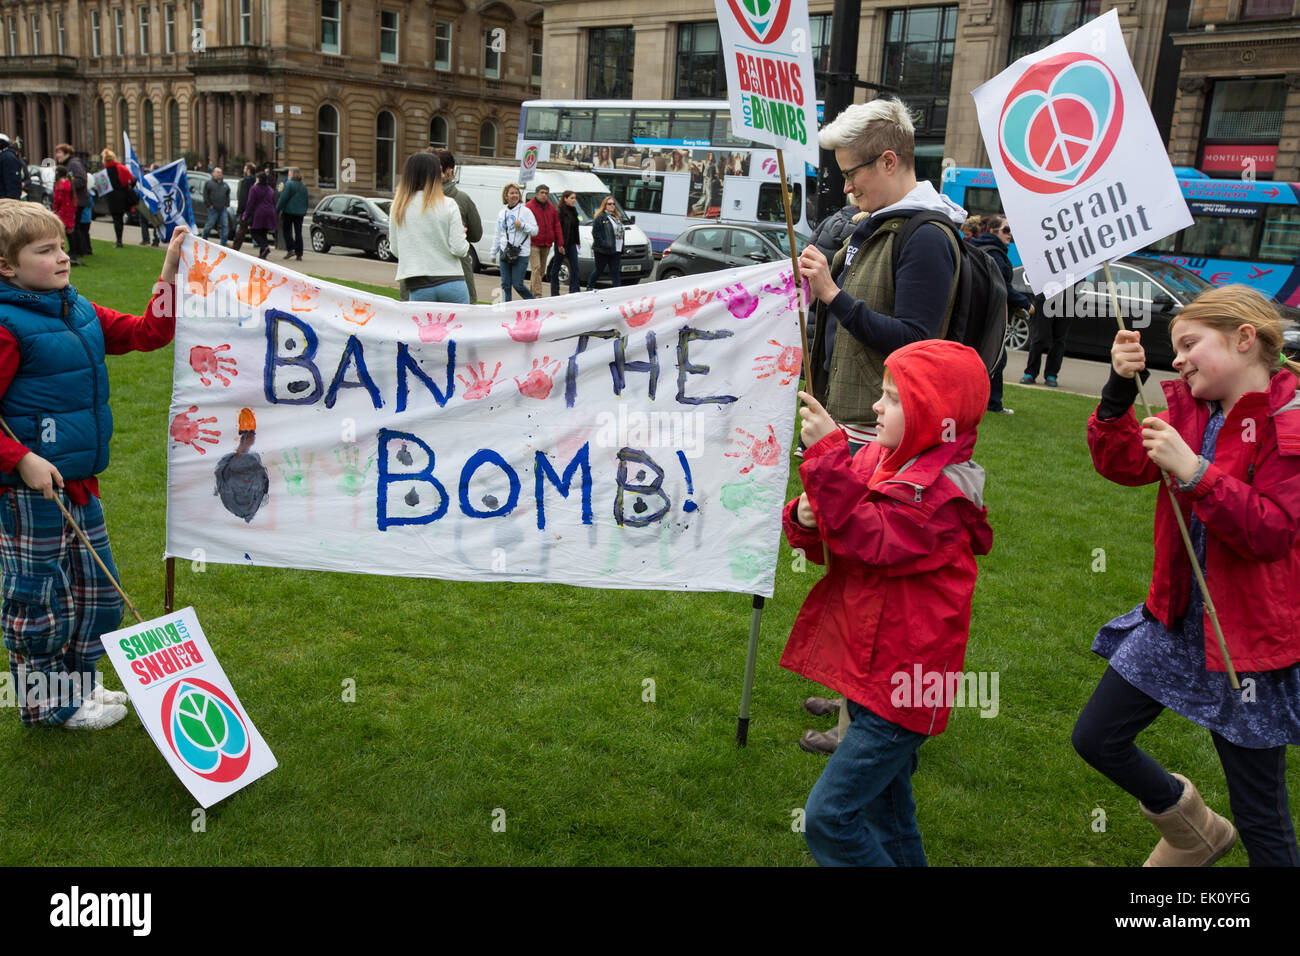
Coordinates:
[318,243]
[384,253]
[1017,332]
[671,274]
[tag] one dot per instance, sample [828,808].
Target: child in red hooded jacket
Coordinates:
[903,520]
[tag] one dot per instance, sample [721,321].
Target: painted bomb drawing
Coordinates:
[242,482]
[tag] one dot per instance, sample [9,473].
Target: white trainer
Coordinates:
[109,696]
[94,714]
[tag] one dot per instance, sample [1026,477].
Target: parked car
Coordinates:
[198,179]
[711,246]
[39,185]
[1150,292]
[354,222]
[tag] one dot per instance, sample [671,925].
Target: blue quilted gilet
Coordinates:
[57,404]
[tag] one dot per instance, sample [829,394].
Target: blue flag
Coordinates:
[166,191]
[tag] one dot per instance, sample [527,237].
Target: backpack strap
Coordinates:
[907,230]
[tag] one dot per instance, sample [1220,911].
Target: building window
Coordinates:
[700,71]
[123,117]
[385,150]
[1265,9]
[1246,111]
[609,63]
[438,133]
[388,36]
[61,35]
[442,45]
[144,30]
[94,32]
[245,22]
[330,17]
[196,25]
[918,62]
[487,139]
[119,32]
[820,26]
[1040,22]
[327,146]
[169,28]
[174,128]
[494,43]
[13,36]
[536,73]
[150,142]
[36,35]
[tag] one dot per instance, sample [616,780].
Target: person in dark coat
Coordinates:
[995,242]
[11,171]
[216,196]
[569,242]
[292,206]
[259,214]
[245,184]
[122,197]
[64,156]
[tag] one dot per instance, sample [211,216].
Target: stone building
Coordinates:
[351,88]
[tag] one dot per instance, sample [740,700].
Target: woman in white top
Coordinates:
[426,234]
[515,227]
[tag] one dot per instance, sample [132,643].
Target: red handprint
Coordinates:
[537,383]
[258,287]
[758,451]
[358,312]
[206,361]
[482,383]
[186,430]
[303,296]
[435,330]
[789,290]
[528,325]
[692,303]
[201,280]
[640,312]
[787,363]
[740,300]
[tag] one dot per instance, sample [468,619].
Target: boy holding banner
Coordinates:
[54,397]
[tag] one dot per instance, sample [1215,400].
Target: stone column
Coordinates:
[59,120]
[8,116]
[250,126]
[211,107]
[199,129]
[237,130]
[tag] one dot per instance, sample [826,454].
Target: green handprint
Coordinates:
[294,474]
[739,495]
[746,563]
[353,480]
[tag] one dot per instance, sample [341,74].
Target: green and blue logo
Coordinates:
[205,730]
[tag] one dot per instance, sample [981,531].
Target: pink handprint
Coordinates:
[186,430]
[787,363]
[358,312]
[206,361]
[259,287]
[789,290]
[757,451]
[538,382]
[435,330]
[303,296]
[640,312]
[692,302]
[739,300]
[201,280]
[482,383]
[528,325]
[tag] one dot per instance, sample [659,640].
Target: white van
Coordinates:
[484,179]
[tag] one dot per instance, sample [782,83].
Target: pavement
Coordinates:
[1078,376]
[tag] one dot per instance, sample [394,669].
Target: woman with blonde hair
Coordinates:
[516,225]
[426,234]
[607,243]
[122,198]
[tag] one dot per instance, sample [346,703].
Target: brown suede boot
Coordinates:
[1191,833]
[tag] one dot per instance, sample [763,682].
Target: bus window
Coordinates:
[541,123]
[613,126]
[1219,236]
[1164,245]
[722,132]
[634,194]
[982,202]
[1281,239]
[575,125]
[694,125]
[770,206]
[650,124]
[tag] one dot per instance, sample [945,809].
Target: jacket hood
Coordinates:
[944,390]
[924,198]
[46,303]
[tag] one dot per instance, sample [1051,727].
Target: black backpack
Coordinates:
[979,309]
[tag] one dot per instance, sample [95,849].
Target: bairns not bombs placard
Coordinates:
[627,438]
[1080,165]
[187,705]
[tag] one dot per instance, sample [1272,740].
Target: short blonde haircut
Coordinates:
[868,129]
[22,223]
[505,192]
[107,156]
[1227,308]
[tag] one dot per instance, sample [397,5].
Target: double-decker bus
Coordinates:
[1245,231]
[671,163]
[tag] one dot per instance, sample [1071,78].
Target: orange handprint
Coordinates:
[358,312]
[201,280]
[256,290]
[692,303]
[303,296]
[640,312]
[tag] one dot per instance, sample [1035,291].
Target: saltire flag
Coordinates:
[166,191]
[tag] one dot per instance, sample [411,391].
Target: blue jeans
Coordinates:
[222,217]
[571,256]
[447,292]
[613,261]
[512,275]
[861,811]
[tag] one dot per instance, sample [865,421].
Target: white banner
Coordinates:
[186,703]
[627,438]
[767,47]
[1080,165]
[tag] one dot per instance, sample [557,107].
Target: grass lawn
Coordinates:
[473,699]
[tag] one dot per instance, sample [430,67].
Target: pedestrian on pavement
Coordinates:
[216,196]
[259,214]
[569,242]
[64,155]
[515,229]
[292,206]
[994,242]
[11,170]
[548,236]
[426,235]
[122,196]
[607,244]
[245,184]
[468,213]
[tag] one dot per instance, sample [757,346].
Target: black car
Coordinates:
[711,246]
[354,222]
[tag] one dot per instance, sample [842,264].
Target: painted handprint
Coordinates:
[352,481]
[740,300]
[755,450]
[538,382]
[255,291]
[206,361]
[482,383]
[302,296]
[740,495]
[294,474]
[692,302]
[528,325]
[435,329]
[358,312]
[640,312]
[786,363]
[787,288]
[201,279]
[189,431]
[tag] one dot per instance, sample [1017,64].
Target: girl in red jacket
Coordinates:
[903,520]
[1230,443]
[64,204]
